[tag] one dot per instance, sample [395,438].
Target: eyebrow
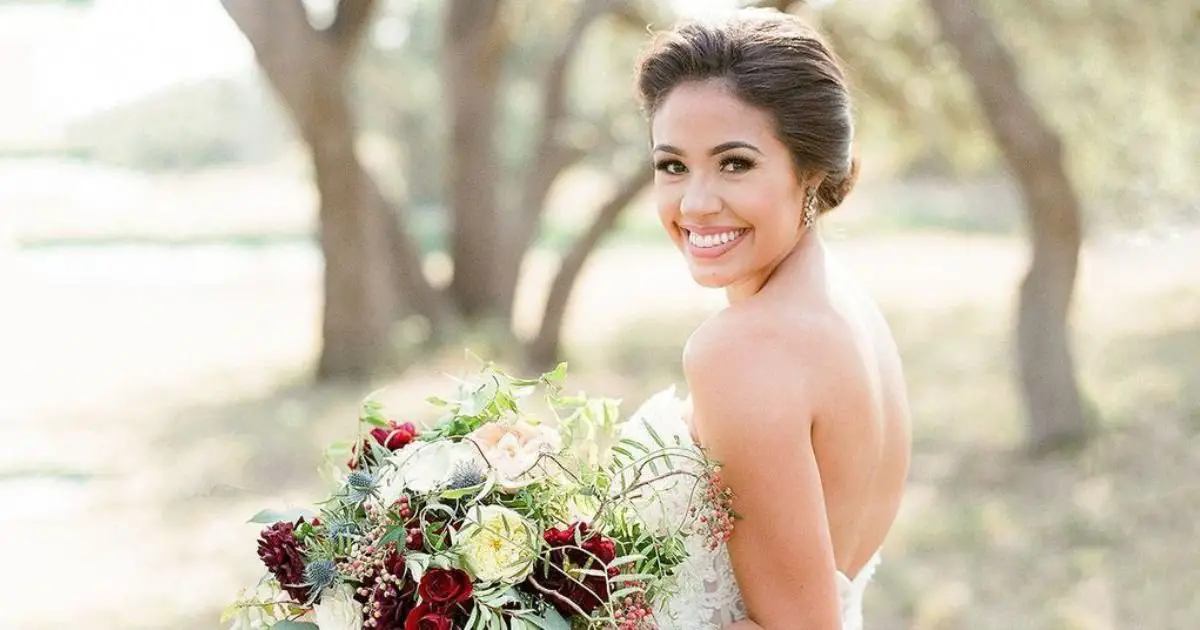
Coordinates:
[717,150]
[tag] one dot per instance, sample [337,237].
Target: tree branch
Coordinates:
[550,154]
[261,23]
[415,290]
[352,19]
[544,348]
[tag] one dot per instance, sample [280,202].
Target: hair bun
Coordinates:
[834,188]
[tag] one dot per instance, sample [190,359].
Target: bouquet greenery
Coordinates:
[491,518]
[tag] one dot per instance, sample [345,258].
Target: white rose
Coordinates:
[423,466]
[338,609]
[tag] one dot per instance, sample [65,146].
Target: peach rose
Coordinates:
[513,450]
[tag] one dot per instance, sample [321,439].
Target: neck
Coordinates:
[806,255]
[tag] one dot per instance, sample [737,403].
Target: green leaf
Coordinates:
[394,534]
[593,572]
[628,590]
[626,559]
[654,435]
[294,625]
[631,577]
[274,516]
[557,375]
[623,452]
[371,412]
[458,493]
[634,444]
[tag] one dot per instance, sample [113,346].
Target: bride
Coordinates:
[796,387]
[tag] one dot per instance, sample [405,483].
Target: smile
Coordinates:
[713,240]
[713,245]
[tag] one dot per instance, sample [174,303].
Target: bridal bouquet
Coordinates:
[491,518]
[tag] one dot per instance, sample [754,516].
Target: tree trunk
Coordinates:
[307,69]
[475,44]
[1034,153]
[360,292]
[543,350]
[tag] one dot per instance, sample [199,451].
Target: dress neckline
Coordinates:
[864,574]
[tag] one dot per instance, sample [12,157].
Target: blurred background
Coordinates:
[225,222]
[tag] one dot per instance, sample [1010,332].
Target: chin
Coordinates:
[710,280]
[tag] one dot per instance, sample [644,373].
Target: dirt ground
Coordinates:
[151,401]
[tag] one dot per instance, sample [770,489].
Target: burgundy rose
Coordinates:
[426,617]
[573,548]
[395,437]
[279,550]
[444,587]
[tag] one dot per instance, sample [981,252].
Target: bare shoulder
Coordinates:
[751,358]
[756,343]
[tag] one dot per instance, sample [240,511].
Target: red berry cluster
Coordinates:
[633,612]
[716,512]
[384,593]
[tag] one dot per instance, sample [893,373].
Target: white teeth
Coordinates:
[712,240]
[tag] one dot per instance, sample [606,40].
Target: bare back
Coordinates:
[861,432]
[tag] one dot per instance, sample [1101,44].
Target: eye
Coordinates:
[670,167]
[734,164]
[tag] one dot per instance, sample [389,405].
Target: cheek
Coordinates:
[666,203]
[762,210]
[771,216]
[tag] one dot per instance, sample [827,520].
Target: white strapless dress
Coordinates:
[706,594]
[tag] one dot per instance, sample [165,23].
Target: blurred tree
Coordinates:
[495,196]
[361,238]
[490,238]
[1035,155]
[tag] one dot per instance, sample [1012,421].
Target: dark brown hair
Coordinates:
[772,61]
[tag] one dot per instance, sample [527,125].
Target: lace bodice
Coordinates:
[706,595]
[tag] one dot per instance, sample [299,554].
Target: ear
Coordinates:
[812,180]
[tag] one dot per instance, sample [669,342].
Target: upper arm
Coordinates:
[754,414]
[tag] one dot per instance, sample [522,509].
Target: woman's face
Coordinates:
[725,186]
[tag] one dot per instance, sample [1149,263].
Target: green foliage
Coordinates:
[1107,74]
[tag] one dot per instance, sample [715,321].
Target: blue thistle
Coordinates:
[465,475]
[318,575]
[360,486]
[341,530]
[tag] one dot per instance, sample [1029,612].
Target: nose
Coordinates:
[699,199]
